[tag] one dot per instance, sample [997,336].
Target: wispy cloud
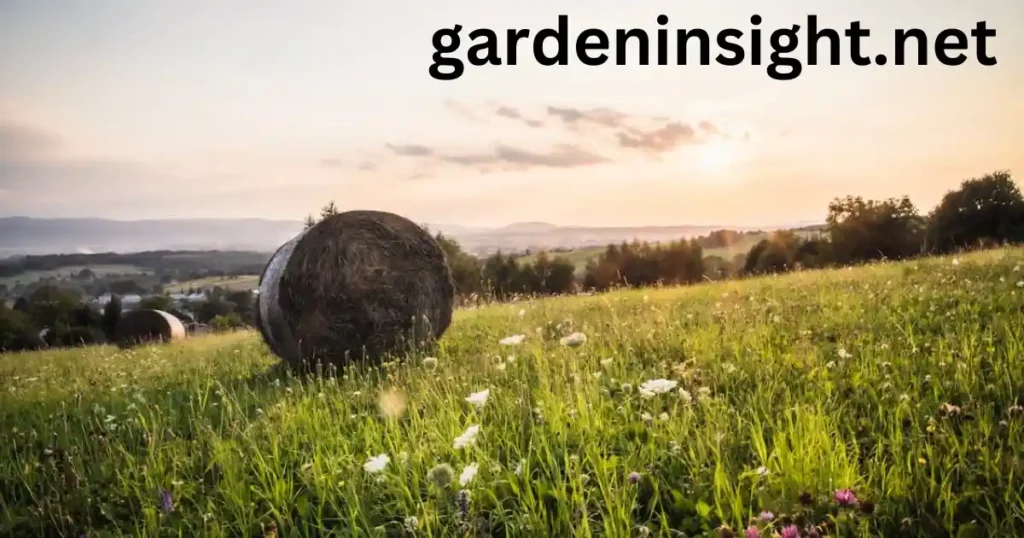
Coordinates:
[410,150]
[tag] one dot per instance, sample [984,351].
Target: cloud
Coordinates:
[575,117]
[20,143]
[331,162]
[512,158]
[366,166]
[463,110]
[411,150]
[514,114]
[660,140]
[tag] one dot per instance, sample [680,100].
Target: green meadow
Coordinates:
[882,400]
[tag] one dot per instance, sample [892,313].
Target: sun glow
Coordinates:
[716,156]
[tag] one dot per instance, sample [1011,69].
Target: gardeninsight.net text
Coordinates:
[594,47]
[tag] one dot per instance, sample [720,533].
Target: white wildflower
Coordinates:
[574,339]
[478,399]
[763,471]
[430,362]
[513,340]
[468,437]
[685,395]
[843,354]
[653,387]
[468,473]
[376,464]
[729,368]
[606,362]
[663,416]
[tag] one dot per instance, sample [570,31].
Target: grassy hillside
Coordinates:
[580,257]
[899,382]
[236,283]
[101,270]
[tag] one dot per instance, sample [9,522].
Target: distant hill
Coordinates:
[24,235]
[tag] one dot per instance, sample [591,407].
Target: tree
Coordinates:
[328,210]
[17,331]
[111,317]
[50,306]
[156,302]
[862,230]
[985,209]
[310,222]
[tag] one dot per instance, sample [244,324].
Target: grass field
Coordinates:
[580,257]
[239,283]
[877,401]
[64,272]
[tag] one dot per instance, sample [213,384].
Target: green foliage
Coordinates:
[864,230]
[111,316]
[899,381]
[226,322]
[17,331]
[983,211]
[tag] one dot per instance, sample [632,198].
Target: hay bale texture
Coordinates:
[147,326]
[357,286]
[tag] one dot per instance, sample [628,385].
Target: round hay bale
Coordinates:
[147,326]
[355,287]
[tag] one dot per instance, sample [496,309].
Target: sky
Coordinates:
[136,110]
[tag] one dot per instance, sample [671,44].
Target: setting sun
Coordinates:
[716,156]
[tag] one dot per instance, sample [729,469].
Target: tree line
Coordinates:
[52,316]
[982,212]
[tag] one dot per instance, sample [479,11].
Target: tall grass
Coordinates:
[899,382]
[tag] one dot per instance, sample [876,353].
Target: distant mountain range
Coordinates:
[25,235]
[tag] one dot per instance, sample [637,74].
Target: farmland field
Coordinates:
[877,401]
[238,283]
[30,277]
[580,257]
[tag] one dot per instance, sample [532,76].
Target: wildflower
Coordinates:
[956,262]
[843,354]
[468,437]
[703,392]
[574,339]
[950,410]
[511,359]
[633,477]
[513,340]
[729,368]
[830,365]
[685,395]
[762,471]
[468,473]
[376,464]
[166,502]
[441,475]
[766,516]
[845,497]
[646,417]
[725,531]
[1014,410]
[412,523]
[627,388]
[606,362]
[663,416]
[430,362]
[790,532]
[392,403]
[462,499]
[522,312]
[500,367]
[519,468]
[656,386]
[752,532]
[478,399]
[644,531]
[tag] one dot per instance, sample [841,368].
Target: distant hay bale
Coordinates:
[147,326]
[355,287]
